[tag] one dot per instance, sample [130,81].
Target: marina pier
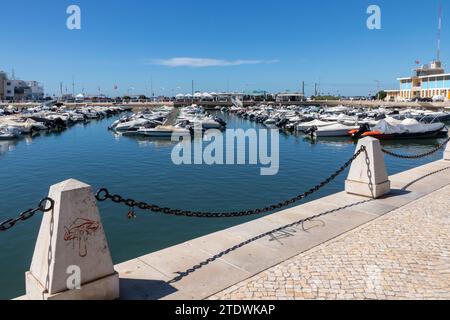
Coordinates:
[389,243]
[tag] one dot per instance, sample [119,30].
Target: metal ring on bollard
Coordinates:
[102,194]
[42,204]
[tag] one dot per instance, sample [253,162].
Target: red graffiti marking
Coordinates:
[79,231]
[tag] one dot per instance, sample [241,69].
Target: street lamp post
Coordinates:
[378,89]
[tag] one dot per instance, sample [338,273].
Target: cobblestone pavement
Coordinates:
[402,255]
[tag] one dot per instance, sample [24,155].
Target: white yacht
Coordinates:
[270,121]
[315,123]
[163,132]
[334,130]
[131,125]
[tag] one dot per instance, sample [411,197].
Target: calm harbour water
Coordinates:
[143,170]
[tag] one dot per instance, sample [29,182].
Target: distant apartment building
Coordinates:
[3,79]
[429,81]
[19,89]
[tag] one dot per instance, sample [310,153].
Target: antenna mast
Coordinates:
[439,33]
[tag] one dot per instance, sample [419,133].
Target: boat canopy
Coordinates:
[336,126]
[317,123]
[406,126]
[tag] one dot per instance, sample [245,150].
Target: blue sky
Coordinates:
[246,45]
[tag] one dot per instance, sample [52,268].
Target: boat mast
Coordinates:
[73,86]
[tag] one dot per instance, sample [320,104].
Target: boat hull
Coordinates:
[163,134]
[421,135]
[8,137]
[334,133]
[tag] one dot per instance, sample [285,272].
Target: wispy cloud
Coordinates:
[204,62]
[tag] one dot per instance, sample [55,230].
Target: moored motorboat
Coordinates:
[406,129]
[334,130]
[131,125]
[270,121]
[305,126]
[8,133]
[163,132]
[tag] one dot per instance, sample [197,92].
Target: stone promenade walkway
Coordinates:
[402,255]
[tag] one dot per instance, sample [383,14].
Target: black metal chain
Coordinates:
[103,195]
[28,214]
[417,156]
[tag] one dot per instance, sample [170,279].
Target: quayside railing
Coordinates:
[72,235]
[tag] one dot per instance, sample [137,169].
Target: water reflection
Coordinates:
[10,144]
[413,143]
[159,141]
[331,141]
[143,141]
[7,146]
[153,142]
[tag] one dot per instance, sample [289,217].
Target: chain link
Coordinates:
[28,214]
[416,156]
[103,195]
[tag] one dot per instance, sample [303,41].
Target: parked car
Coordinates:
[438,98]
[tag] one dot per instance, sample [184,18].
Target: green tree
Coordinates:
[381,95]
[328,97]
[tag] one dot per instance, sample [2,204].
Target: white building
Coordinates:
[16,90]
[290,97]
[37,91]
[429,81]
[19,89]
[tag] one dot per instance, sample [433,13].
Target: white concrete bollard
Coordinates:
[447,152]
[368,176]
[71,260]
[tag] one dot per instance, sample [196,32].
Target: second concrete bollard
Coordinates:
[368,176]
